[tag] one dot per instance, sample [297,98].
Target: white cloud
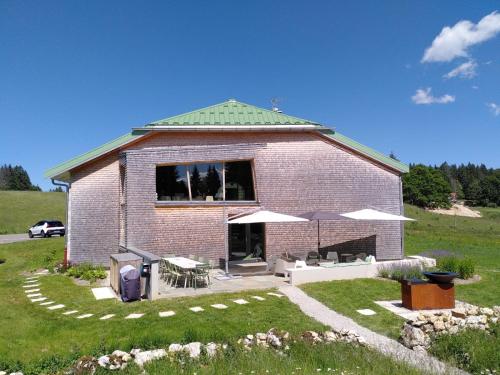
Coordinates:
[495,108]
[454,41]
[466,70]
[424,96]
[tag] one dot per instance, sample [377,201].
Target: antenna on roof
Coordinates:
[274,104]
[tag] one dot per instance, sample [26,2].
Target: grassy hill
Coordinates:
[21,209]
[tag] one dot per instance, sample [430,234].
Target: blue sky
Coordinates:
[75,74]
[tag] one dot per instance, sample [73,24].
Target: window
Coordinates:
[205,182]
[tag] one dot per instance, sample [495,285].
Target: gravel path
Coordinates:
[10,238]
[383,344]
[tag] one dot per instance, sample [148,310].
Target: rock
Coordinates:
[119,353]
[134,352]
[419,349]
[329,336]
[439,325]
[494,320]
[312,337]
[147,356]
[421,317]
[212,349]
[16,373]
[453,330]
[486,311]
[193,349]
[427,328]
[412,337]
[174,348]
[472,310]
[361,341]
[103,361]
[3,373]
[496,311]
[85,365]
[273,340]
[476,319]
[418,323]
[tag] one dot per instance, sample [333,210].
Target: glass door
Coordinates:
[246,242]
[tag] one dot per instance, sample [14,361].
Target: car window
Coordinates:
[54,224]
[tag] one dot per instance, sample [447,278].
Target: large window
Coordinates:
[230,181]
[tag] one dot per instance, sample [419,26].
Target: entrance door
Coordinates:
[246,242]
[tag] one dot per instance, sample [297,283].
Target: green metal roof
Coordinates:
[60,169]
[232,112]
[365,150]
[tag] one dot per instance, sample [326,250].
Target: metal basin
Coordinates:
[441,277]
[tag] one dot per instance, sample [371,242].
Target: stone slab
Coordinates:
[55,307]
[33,295]
[70,312]
[31,285]
[134,316]
[166,314]
[366,312]
[258,298]
[47,303]
[196,309]
[396,307]
[103,293]
[84,316]
[241,301]
[106,317]
[31,290]
[219,306]
[40,299]
[275,294]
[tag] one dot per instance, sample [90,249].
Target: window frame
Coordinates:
[223,202]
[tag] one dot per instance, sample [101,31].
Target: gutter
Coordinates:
[66,186]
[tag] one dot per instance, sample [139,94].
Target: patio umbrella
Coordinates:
[321,215]
[371,214]
[261,216]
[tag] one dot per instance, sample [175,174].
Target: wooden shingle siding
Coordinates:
[95,207]
[295,173]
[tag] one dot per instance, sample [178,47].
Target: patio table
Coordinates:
[184,263]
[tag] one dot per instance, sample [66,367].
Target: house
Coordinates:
[168,186]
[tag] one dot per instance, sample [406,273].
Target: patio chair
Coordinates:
[300,264]
[201,272]
[333,256]
[312,258]
[213,264]
[164,269]
[203,260]
[361,256]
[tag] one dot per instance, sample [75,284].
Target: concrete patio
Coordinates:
[238,284]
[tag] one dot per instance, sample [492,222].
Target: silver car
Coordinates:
[47,228]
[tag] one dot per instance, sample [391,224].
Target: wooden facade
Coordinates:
[113,198]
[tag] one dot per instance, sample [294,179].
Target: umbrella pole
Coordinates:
[318,237]
[226,247]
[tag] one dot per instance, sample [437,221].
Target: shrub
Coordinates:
[87,271]
[400,272]
[465,266]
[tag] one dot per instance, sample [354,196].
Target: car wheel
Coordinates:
[30,235]
[61,235]
[43,234]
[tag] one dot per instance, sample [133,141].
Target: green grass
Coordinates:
[44,341]
[301,359]
[477,238]
[21,209]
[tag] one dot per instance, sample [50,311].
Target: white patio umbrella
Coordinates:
[261,216]
[371,214]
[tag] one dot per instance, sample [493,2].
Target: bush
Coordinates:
[465,266]
[400,272]
[87,271]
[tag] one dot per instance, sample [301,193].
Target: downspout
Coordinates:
[402,210]
[66,186]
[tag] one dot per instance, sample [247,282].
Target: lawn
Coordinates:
[21,209]
[46,341]
[477,238]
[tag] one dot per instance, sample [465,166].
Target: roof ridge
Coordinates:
[231,101]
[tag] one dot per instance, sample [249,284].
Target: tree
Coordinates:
[426,187]
[15,178]
[195,182]
[212,181]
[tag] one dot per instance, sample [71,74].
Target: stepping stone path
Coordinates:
[106,317]
[70,312]
[55,307]
[39,299]
[32,278]
[276,294]
[366,312]
[166,314]
[31,285]
[44,272]
[258,298]
[241,301]
[196,309]
[31,290]
[34,295]
[47,303]
[134,316]
[84,316]
[219,306]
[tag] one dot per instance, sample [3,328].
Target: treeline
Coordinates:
[435,186]
[15,178]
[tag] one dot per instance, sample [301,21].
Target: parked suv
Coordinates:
[47,228]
